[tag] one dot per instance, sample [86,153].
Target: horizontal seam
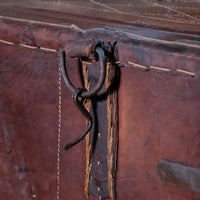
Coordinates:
[182,17]
[72,26]
[167,19]
[147,3]
[118,62]
[159,68]
[137,65]
[130,34]
[150,5]
[186,72]
[170,9]
[180,71]
[27,46]
[157,40]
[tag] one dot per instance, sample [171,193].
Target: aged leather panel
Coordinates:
[158,119]
[152,54]
[158,105]
[158,115]
[29,128]
[37,34]
[181,15]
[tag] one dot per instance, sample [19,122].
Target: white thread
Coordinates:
[59,135]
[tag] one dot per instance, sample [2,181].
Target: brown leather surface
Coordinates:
[37,34]
[158,115]
[51,35]
[159,55]
[158,119]
[29,126]
[181,15]
[158,111]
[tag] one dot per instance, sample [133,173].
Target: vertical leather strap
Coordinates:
[101,144]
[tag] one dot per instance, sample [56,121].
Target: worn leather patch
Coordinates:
[103,136]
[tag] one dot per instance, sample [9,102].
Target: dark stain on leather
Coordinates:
[26,169]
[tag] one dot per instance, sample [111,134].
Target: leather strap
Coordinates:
[103,137]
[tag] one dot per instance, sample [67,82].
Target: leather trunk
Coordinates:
[145,139]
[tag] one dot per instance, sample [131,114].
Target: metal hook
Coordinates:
[93,91]
[83,93]
[79,104]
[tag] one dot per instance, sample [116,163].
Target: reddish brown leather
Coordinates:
[29,126]
[158,111]
[158,119]
[159,115]
[181,15]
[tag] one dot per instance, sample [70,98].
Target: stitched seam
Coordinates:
[168,20]
[47,49]
[72,26]
[154,5]
[137,65]
[118,11]
[171,14]
[117,62]
[157,40]
[130,34]
[7,42]
[109,133]
[88,145]
[161,69]
[185,7]
[59,135]
[27,46]
[171,9]
[186,72]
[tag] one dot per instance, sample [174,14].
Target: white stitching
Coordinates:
[6,42]
[137,65]
[47,49]
[180,71]
[27,46]
[186,72]
[171,9]
[158,40]
[117,62]
[72,26]
[59,134]
[159,68]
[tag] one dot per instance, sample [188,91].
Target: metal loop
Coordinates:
[93,91]
[79,104]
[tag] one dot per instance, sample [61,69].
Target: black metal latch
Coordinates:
[101,128]
[89,49]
